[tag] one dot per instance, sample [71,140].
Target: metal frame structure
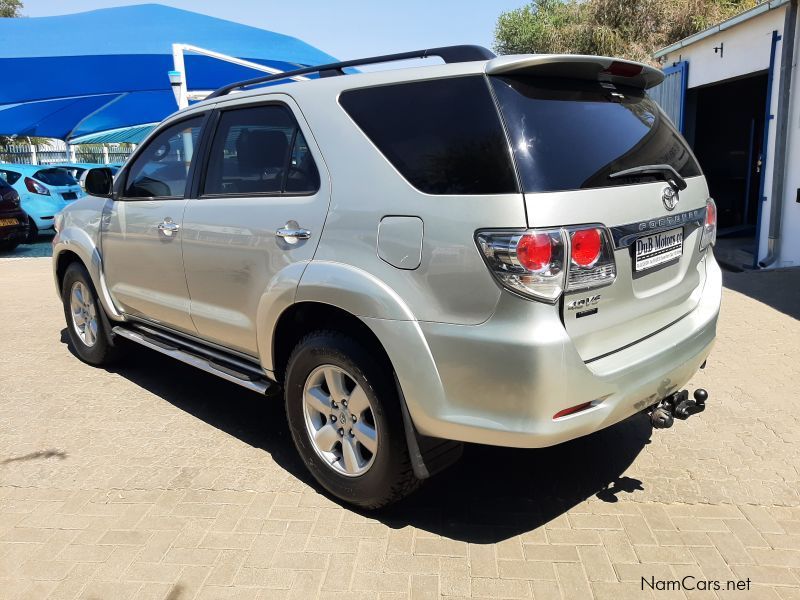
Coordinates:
[178,77]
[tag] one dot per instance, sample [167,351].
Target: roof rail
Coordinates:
[449,54]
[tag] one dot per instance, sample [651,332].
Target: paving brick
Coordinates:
[618,547]
[573,537]
[525,569]
[581,521]
[596,563]
[500,588]
[482,560]
[125,538]
[440,547]
[424,587]
[573,580]
[454,579]
[550,553]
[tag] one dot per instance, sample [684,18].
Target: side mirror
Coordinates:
[98,182]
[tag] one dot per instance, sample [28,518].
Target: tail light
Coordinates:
[591,259]
[528,262]
[35,187]
[542,263]
[709,236]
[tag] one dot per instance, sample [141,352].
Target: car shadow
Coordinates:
[495,493]
[490,495]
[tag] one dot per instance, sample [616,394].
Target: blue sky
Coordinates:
[343,28]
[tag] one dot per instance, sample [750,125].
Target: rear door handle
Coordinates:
[293,233]
[168,227]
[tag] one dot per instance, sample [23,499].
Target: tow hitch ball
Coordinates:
[678,406]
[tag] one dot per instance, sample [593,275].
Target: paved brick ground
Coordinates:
[154,481]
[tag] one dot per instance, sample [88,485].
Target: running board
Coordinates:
[210,364]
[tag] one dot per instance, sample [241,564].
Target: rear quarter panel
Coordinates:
[452,283]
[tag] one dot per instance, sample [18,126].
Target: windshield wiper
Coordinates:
[668,173]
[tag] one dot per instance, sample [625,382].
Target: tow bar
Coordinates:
[677,406]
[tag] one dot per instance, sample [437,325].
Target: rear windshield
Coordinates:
[10,176]
[55,177]
[443,135]
[572,135]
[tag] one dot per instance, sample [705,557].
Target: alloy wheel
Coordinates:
[84,313]
[340,421]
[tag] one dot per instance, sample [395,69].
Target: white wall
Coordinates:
[747,50]
[790,227]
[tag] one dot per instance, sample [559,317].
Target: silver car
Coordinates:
[509,250]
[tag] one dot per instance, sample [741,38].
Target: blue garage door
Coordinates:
[671,94]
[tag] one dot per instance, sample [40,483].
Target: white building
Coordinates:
[734,91]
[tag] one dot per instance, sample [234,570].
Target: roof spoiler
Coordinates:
[578,66]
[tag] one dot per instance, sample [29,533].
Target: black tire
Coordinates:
[33,232]
[390,476]
[102,351]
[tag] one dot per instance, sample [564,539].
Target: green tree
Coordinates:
[10,8]
[628,28]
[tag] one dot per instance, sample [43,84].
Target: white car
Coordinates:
[513,251]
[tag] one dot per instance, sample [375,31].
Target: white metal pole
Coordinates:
[180,67]
[178,76]
[34,157]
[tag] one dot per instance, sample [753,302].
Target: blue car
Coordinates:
[43,190]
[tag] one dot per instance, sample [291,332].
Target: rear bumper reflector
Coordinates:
[572,410]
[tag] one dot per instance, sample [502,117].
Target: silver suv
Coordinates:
[504,250]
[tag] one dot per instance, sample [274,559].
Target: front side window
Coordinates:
[443,135]
[259,150]
[162,169]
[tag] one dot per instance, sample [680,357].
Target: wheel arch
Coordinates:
[301,318]
[75,245]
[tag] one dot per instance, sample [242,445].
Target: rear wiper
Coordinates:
[669,174]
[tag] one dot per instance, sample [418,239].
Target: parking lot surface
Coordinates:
[153,480]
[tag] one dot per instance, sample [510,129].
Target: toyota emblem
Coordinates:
[669,197]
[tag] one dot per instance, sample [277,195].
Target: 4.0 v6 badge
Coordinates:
[584,302]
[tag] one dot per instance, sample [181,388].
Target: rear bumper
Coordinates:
[14,233]
[501,382]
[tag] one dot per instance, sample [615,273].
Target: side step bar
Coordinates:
[213,363]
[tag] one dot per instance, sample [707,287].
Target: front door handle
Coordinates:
[168,227]
[293,233]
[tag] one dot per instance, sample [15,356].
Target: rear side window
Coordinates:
[443,135]
[10,176]
[55,177]
[572,135]
[260,150]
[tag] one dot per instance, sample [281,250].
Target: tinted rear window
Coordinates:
[55,177]
[444,135]
[572,135]
[10,176]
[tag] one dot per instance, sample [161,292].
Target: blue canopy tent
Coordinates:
[70,76]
